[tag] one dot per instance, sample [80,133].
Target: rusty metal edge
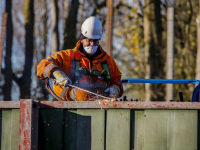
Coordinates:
[25,124]
[9,104]
[119,104]
[106,104]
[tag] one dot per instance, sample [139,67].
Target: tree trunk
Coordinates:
[81,11]
[66,7]
[25,81]
[70,26]
[109,26]
[43,53]
[170,52]
[147,44]
[8,64]
[153,49]
[2,36]
[54,26]
[198,46]
[41,19]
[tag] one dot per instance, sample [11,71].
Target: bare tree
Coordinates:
[153,49]
[198,46]
[170,49]
[29,48]
[43,52]
[24,82]
[54,26]
[70,26]
[81,11]
[41,33]
[109,26]
[9,42]
[2,36]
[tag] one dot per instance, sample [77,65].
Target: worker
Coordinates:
[87,66]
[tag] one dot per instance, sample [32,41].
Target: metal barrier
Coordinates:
[99,125]
[196,92]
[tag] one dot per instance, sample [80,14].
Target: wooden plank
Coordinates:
[118,129]
[185,129]
[90,129]
[155,128]
[70,129]
[139,130]
[50,129]
[6,130]
[166,129]
[15,129]
[171,129]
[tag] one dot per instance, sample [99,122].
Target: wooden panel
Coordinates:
[50,129]
[6,130]
[155,128]
[166,129]
[70,129]
[198,131]
[90,129]
[118,129]
[185,129]
[139,130]
[15,129]
[171,129]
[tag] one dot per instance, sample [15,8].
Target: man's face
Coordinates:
[90,42]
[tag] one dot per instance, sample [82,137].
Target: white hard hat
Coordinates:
[92,28]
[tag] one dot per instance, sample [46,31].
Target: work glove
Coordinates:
[61,78]
[113,91]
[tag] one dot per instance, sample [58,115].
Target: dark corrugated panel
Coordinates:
[50,136]
[0,127]
[70,129]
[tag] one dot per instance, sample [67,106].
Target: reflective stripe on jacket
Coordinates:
[63,61]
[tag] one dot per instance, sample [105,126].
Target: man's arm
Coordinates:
[52,68]
[46,66]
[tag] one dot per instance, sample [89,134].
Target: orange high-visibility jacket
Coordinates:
[63,61]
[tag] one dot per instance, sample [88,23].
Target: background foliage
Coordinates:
[32,36]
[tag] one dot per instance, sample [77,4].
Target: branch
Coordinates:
[16,79]
[191,9]
[140,4]
[140,15]
[98,6]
